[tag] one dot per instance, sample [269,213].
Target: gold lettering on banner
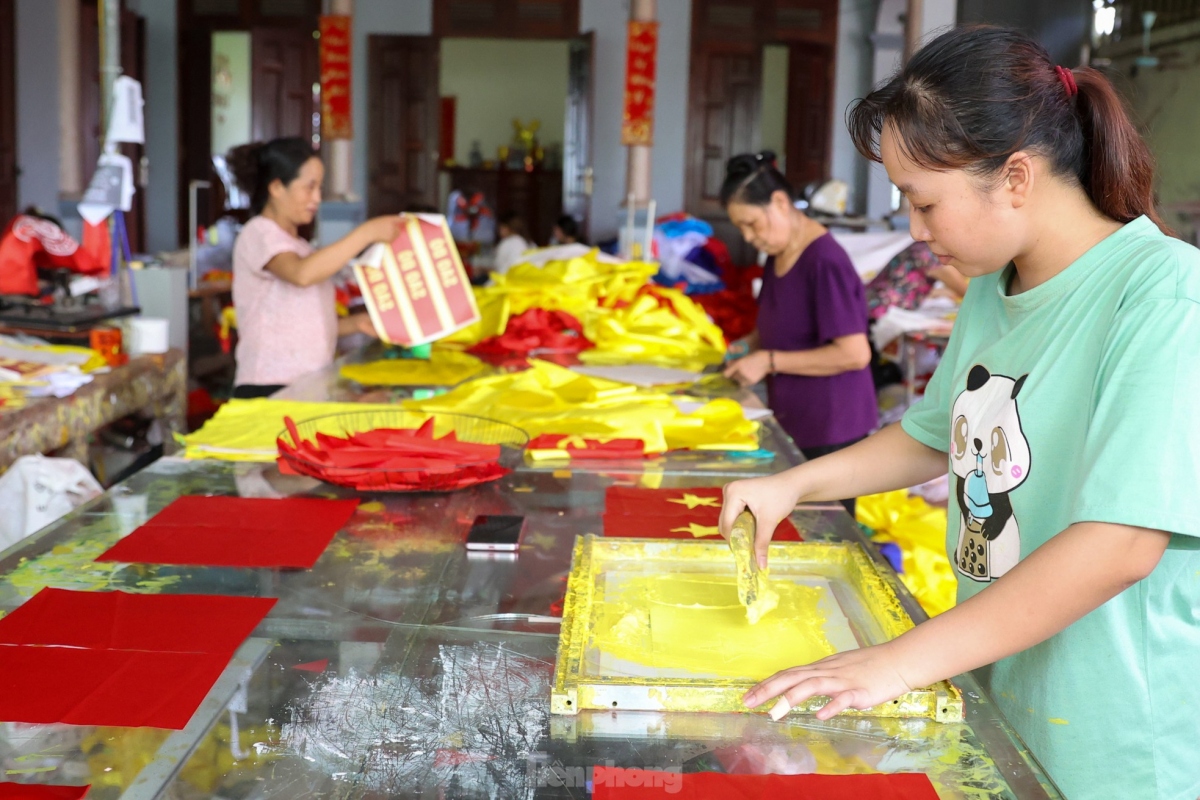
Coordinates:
[438,248]
[446,272]
[412,275]
[416,286]
[383,295]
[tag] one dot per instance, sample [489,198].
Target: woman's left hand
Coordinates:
[364,325]
[751,369]
[854,679]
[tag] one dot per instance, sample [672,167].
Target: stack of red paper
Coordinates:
[579,448]
[536,329]
[391,459]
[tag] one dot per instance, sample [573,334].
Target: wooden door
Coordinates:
[809,113]
[284,97]
[723,118]
[8,114]
[577,139]
[402,128]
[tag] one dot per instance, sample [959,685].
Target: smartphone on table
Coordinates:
[496,533]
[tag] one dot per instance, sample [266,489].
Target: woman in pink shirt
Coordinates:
[287,320]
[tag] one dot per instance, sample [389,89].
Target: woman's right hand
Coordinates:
[770,500]
[383,229]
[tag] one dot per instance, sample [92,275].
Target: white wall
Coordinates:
[608,19]
[37,104]
[496,80]
[852,79]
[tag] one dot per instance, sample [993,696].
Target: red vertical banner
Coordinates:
[336,30]
[637,127]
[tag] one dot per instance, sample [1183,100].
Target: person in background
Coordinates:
[1064,411]
[287,319]
[909,278]
[566,231]
[811,340]
[513,242]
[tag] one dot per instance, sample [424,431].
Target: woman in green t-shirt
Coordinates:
[1064,411]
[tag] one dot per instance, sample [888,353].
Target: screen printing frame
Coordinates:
[872,605]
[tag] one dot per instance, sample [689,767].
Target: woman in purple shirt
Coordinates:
[811,342]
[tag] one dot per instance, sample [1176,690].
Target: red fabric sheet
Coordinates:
[181,623]
[116,659]
[634,512]
[236,532]
[40,791]
[614,783]
[118,688]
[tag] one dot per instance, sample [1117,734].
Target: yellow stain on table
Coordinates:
[693,623]
[1057,721]
[698,531]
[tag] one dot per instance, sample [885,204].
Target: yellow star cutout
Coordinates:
[692,501]
[699,531]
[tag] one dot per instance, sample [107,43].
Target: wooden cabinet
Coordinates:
[536,196]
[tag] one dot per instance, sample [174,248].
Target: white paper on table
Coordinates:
[642,375]
[692,406]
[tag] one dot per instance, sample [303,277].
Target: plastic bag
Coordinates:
[37,491]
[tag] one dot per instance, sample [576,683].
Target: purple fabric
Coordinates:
[820,299]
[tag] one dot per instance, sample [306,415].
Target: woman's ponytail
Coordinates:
[256,165]
[1118,169]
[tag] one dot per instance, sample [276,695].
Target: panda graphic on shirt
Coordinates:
[990,458]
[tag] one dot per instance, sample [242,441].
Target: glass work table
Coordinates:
[401,666]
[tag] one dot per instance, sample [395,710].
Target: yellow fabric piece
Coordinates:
[698,531]
[694,501]
[246,430]
[550,399]
[444,368]
[674,331]
[920,531]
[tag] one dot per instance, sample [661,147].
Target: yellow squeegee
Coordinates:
[754,591]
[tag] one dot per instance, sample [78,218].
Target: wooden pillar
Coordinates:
[339,156]
[638,173]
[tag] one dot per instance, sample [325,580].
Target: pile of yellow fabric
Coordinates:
[444,368]
[550,399]
[246,430]
[622,312]
[919,529]
[543,399]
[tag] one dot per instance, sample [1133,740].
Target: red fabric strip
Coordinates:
[181,623]
[104,687]
[236,532]
[40,791]
[256,512]
[614,783]
[655,513]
